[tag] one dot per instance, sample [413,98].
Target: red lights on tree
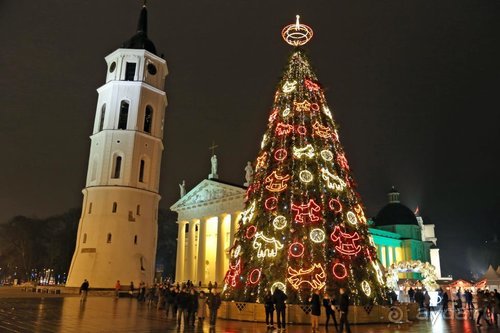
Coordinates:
[339,271]
[280,155]
[322,131]
[251,231]
[311,86]
[335,205]
[345,243]
[342,161]
[304,213]
[296,249]
[283,129]
[302,130]
[233,273]
[254,276]
[271,203]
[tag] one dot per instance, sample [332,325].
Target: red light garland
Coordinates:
[296,249]
[273,115]
[311,86]
[254,276]
[322,131]
[302,130]
[339,271]
[283,129]
[342,161]
[335,205]
[309,212]
[251,231]
[280,154]
[345,242]
[302,106]
[271,203]
[232,274]
[261,161]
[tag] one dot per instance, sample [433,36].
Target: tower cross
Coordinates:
[212,148]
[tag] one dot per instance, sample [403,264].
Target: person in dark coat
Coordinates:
[411,295]
[419,298]
[269,307]
[192,306]
[170,296]
[444,301]
[344,311]
[182,300]
[84,290]
[315,310]
[329,304]
[279,299]
[214,301]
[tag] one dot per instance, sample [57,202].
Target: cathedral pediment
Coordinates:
[208,192]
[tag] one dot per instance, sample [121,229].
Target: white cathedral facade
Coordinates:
[117,233]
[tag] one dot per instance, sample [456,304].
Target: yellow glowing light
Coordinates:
[315,277]
[264,141]
[247,215]
[279,222]
[266,247]
[307,151]
[333,182]
[317,235]
[279,285]
[380,275]
[326,111]
[286,112]
[306,176]
[302,106]
[297,34]
[359,213]
[237,251]
[351,218]
[288,87]
[326,155]
[366,288]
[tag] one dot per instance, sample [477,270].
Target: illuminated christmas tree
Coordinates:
[303,227]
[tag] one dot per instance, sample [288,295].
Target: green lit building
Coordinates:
[401,235]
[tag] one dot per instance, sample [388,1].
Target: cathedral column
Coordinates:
[202,241]
[235,219]
[181,243]
[189,261]
[220,256]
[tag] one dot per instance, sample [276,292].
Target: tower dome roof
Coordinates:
[394,212]
[140,40]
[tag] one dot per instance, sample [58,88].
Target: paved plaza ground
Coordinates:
[28,312]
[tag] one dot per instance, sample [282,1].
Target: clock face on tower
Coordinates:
[151,69]
[112,67]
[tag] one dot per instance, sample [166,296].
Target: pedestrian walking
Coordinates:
[84,290]
[117,289]
[269,308]
[202,306]
[182,300]
[315,310]
[427,303]
[411,295]
[344,311]
[279,299]
[329,305]
[192,306]
[210,286]
[170,296]
[214,301]
[481,308]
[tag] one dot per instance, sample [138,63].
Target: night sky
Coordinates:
[414,86]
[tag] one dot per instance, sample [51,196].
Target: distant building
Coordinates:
[117,234]
[401,235]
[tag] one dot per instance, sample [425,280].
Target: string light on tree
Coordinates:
[296,249]
[286,112]
[280,154]
[266,246]
[307,151]
[314,277]
[366,288]
[326,155]
[306,176]
[288,87]
[351,218]
[280,222]
[317,235]
[297,34]
[333,182]
[339,271]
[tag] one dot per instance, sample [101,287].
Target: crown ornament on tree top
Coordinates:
[297,34]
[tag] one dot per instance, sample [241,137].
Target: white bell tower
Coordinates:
[118,228]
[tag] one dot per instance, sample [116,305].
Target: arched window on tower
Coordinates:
[141,171]
[138,211]
[130,71]
[90,208]
[117,167]
[148,119]
[123,118]
[103,115]
[108,239]
[115,207]
[84,238]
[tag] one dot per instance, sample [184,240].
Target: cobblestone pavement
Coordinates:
[105,314]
